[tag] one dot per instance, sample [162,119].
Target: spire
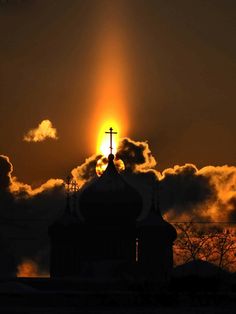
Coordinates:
[110,198]
[74,190]
[111,133]
[71,188]
[67,188]
[111,167]
[157,195]
[155,200]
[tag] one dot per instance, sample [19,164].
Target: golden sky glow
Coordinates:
[109,99]
[103,141]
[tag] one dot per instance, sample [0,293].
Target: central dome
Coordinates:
[110,198]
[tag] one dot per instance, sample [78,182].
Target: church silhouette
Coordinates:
[106,242]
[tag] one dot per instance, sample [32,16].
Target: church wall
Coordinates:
[155,258]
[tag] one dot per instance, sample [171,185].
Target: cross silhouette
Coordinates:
[111,133]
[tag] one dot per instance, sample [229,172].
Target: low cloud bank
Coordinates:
[185,193]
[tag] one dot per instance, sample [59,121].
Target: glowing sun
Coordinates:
[107,144]
[103,141]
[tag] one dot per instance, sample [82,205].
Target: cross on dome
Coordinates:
[111,133]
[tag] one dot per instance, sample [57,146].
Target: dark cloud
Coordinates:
[135,155]
[184,193]
[232,204]
[5,172]
[25,214]
[183,190]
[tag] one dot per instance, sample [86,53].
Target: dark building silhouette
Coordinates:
[155,241]
[107,242]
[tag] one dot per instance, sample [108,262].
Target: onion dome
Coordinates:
[68,218]
[110,198]
[65,221]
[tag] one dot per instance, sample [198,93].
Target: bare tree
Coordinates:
[193,243]
[211,243]
[225,249]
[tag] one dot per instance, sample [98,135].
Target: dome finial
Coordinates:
[111,133]
[111,157]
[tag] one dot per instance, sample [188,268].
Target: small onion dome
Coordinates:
[65,221]
[155,222]
[110,198]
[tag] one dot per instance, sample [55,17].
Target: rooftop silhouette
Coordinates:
[107,241]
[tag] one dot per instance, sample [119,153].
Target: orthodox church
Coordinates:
[106,241]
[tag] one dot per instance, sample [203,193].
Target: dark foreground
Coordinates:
[114,310]
[67,296]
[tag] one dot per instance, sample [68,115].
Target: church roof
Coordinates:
[155,221]
[65,220]
[110,197]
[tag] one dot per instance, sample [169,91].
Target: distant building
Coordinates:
[109,243]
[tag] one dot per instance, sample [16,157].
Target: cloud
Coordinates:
[87,171]
[135,155]
[42,132]
[26,213]
[223,179]
[185,193]
[6,169]
[206,194]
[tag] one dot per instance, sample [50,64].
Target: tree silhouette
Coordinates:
[205,242]
[225,248]
[192,242]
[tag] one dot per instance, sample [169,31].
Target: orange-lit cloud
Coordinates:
[87,171]
[223,179]
[206,194]
[29,268]
[6,169]
[19,188]
[26,209]
[185,192]
[41,133]
[13,185]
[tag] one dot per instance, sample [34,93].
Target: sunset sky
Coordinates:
[161,71]
[164,71]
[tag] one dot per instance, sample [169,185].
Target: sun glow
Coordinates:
[110,88]
[103,141]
